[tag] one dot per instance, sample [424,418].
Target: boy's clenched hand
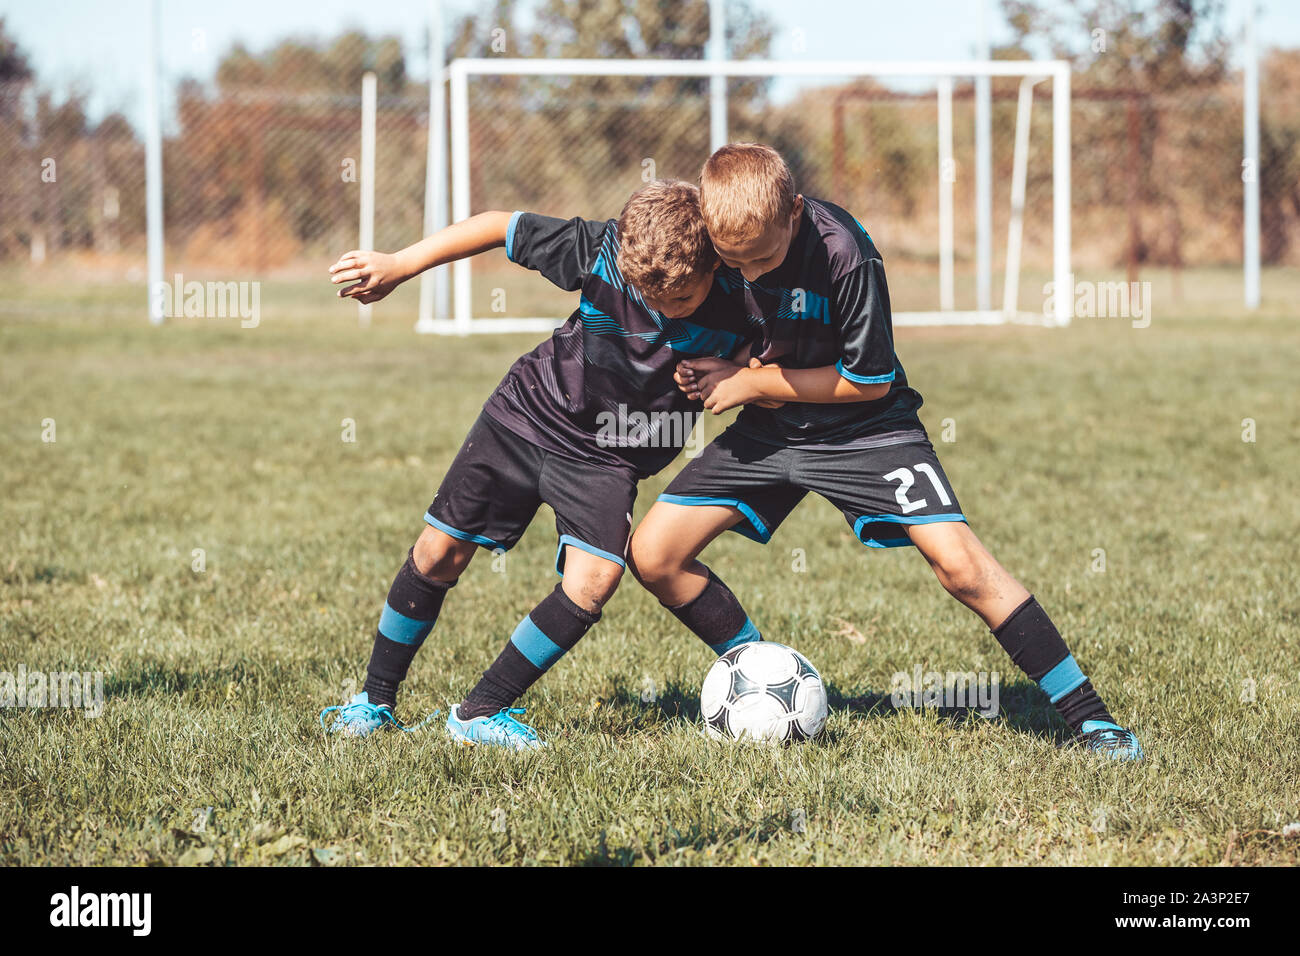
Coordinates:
[720,384]
[373,274]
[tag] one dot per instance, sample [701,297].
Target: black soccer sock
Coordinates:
[717,618]
[1036,647]
[542,638]
[409,614]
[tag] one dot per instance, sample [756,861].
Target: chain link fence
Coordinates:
[580,145]
[261,161]
[261,165]
[71,188]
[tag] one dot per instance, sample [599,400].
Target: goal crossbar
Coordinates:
[1058,71]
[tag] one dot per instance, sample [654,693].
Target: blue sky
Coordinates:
[99,46]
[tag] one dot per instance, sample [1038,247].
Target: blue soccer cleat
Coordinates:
[360,718]
[1109,740]
[496,730]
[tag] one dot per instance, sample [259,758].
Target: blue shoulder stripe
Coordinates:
[699,340]
[605,267]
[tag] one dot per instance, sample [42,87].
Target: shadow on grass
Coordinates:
[15,576]
[695,838]
[154,677]
[670,702]
[1021,706]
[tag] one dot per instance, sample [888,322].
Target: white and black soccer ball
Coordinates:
[763,691]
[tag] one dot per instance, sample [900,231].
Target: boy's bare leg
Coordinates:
[589,580]
[667,543]
[967,571]
[546,634]
[664,556]
[439,556]
[970,574]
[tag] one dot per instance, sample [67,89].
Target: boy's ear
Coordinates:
[797,208]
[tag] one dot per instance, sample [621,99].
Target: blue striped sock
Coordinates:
[1036,647]
[545,635]
[409,614]
[717,618]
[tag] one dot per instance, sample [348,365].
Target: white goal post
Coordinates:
[1030,72]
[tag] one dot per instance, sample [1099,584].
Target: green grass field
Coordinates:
[202,435]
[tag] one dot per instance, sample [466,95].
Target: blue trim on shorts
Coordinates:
[757,531]
[462,535]
[904,541]
[583,546]
[863,379]
[510,235]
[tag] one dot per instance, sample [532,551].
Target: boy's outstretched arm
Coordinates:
[375,274]
[723,386]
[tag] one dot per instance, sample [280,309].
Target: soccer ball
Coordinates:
[763,691]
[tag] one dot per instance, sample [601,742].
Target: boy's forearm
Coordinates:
[823,385]
[460,240]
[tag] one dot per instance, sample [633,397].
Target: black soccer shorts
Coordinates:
[498,480]
[879,485]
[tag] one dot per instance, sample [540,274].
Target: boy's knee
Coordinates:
[963,583]
[651,564]
[593,586]
[439,556]
[966,575]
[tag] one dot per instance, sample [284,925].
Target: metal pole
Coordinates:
[435,284]
[564,66]
[460,197]
[1250,168]
[717,84]
[1062,276]
[947,176]
[1019,177]
[153,172]
[983,171]
[458,105]
[369,98]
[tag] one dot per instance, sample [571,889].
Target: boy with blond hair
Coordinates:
[847,429]
[575,423]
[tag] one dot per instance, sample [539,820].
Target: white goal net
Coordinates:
[958,170]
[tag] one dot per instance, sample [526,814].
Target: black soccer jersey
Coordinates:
[601,388]
[827,304]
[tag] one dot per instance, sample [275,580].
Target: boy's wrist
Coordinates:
[762,382]
[403,265]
